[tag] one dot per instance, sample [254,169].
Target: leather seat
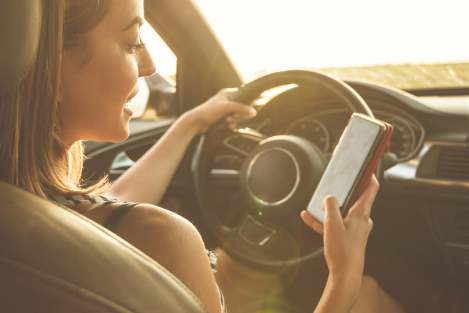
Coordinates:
[20,22]
[53,259]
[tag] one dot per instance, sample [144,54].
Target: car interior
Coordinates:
[418,252]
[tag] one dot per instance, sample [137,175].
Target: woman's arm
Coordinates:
[147,180]
[345,241]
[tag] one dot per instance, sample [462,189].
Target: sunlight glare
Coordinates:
[265,35]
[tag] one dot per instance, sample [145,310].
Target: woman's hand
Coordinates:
[345,239]
[216,108]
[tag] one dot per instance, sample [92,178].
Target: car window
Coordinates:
[154,99]
[414,44]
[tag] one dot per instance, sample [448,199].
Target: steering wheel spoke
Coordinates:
[254,231]
[250,234]
[221,174]
[256,237]
[243,141]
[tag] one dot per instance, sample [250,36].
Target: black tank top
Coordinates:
[114,218]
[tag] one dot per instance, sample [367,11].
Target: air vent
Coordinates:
[453,163]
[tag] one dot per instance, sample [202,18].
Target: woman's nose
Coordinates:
[146,66]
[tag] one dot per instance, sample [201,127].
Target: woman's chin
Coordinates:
[115,132]
[118,139]
[121,136]
[123,132]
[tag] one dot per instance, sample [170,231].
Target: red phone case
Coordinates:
[383,146]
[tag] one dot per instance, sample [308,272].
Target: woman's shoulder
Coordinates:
[109,211]
[142,224]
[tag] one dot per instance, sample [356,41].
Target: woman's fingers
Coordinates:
[240,110]
[223,106]
[311,222]
[220,107]
[230,121]
[333,221]
[332,218]
[228,91]
[370,225]
[236,108]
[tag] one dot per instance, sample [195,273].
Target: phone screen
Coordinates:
[348,161]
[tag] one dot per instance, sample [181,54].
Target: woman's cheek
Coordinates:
[115,71]
[129,75]
[123,77]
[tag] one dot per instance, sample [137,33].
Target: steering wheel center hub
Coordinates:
[273,176]
[280,174]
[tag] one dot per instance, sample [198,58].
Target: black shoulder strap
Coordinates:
[114,219]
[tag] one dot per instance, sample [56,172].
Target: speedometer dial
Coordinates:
[404,139]
[312,130]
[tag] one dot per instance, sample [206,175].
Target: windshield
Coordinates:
[412,44]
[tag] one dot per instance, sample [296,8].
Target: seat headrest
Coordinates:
[20,26]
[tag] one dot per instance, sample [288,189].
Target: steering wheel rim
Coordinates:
[201,163]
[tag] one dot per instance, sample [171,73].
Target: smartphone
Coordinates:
[353,162]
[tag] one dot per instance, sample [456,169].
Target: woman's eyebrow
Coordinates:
[136,20]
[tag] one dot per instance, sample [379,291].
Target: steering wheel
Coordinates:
[277,178]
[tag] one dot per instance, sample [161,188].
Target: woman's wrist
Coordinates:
[346,286]
[190,123]
[339,296]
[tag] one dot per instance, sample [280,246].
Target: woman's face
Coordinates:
[100,76]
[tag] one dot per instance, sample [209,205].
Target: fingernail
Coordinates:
[252,111]
[329,202]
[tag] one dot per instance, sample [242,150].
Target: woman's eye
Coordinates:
[134,48]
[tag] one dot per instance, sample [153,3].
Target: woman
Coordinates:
[88,63]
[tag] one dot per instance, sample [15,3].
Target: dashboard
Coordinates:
[324,128]
[423,200]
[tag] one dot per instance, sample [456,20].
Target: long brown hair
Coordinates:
[32,153]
